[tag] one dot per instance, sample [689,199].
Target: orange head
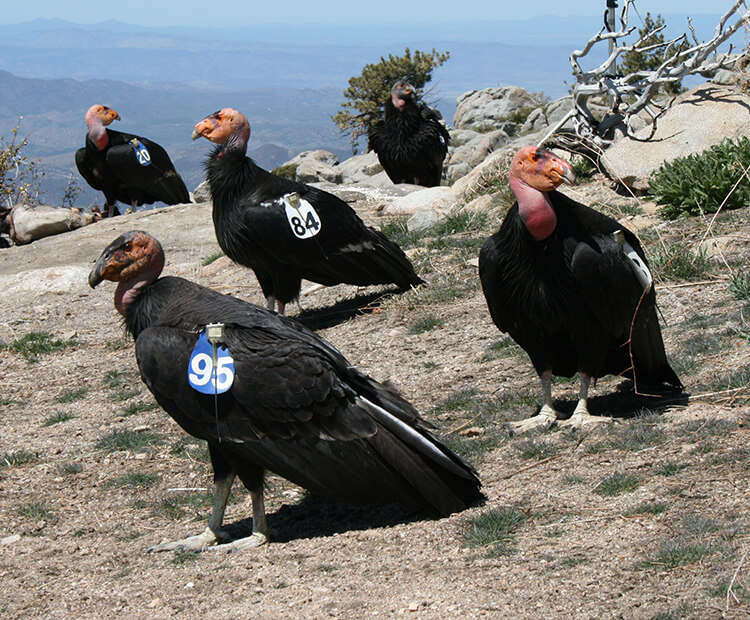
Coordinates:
[227,126]
[541,169]
[127,257]
[101,114]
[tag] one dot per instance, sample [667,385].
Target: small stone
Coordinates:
[9,540]
[157,602]
[413,607]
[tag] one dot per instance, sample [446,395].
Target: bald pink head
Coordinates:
[227,126]
[534,172]
[541,169]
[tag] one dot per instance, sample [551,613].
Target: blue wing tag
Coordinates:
[141,152]
[205,376]
[303,218]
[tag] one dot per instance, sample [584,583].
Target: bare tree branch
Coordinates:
[634,93]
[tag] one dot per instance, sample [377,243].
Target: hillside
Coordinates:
[288,79]
[642,518]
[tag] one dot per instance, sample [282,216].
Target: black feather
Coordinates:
[116,172]
[297,407]
[253,230]
[411,143]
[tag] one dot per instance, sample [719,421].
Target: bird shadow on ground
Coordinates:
[625,404]
[343,310]
[316,517]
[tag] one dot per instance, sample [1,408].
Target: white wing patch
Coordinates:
[358,247]
[641,271]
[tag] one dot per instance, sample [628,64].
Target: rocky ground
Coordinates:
[645,517]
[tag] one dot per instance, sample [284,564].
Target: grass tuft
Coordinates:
[648,508]
[35,344]
[69,469]
[135,408]
[425,325]
[675,553]
[127,440]
[72,395]
[212,258]
[15,459]
[495,530]
[60,416]
[681,263]
[739,285]
[36,512]
[617,484]
[536,449]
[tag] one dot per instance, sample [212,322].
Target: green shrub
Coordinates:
[700,183]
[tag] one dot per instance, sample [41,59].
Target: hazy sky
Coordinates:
[243,12]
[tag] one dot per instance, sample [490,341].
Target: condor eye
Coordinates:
[535,156]
[128,246]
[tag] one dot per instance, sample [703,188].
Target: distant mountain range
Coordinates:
[288,79]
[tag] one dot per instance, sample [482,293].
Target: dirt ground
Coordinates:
[77,513]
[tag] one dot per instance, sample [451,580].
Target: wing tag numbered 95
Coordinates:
[303,218]
[204,375]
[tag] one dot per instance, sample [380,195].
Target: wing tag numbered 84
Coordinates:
[303,218]
[204,375]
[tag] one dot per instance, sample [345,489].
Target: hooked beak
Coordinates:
[203,129]
[95,277]
[568,175]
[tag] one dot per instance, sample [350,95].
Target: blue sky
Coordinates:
[244,12]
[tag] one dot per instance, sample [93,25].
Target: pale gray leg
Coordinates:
[212,535]
[581,416]
[547,414]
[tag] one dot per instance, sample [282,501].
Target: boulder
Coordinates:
[486,110]
[439,199]
[363,170]
[472,152]
[30,223]
[314,166]
[698,120]
[202,193]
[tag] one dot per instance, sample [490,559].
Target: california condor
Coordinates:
[126,167]
[290,404]
[571,286]
[287,231]
[410,141]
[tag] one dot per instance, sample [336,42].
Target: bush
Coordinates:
[700,183]
[19,177]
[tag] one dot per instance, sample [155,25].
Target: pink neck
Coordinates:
[128,290]
[534,209]
[239,138]
[97,132]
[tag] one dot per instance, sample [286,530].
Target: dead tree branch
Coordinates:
[634,93]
